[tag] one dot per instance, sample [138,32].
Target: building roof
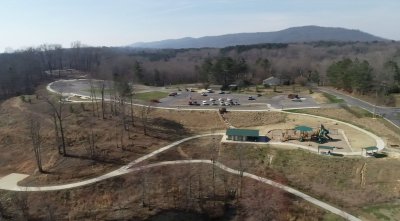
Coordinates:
[271,78]
[326,147]
[242,132]
[370,148]
[303,128]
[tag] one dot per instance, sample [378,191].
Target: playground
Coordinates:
[319,135]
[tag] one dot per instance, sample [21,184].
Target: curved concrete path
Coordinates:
[217,164]
[10,182]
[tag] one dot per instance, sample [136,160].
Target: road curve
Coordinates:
[389,113]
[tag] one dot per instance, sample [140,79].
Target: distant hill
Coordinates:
[290,35]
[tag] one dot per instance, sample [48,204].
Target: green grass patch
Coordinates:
[333,99]
[387,211]
[357,111]
[332,217]
[148,96]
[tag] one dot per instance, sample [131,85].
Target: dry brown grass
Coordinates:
[194,121]
[251,119]
[17,154]
[177,188]
[335,180]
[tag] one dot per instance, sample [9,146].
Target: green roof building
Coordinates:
[242,134]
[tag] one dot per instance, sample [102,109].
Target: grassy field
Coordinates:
[333,99]
[386,211]
[148,96]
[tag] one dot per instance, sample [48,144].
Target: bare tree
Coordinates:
[92,141]
[143,182]
[36,141]
[144,114]
[56,133]
[102,99]
[132,114]
[57,109]
[239,152]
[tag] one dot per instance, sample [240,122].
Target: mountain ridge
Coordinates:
[301,34]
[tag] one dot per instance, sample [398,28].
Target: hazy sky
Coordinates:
[121,22]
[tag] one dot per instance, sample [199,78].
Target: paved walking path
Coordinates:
[215,163]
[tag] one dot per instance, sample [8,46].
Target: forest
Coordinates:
[353,66]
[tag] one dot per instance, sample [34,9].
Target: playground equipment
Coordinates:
[304,133]
[300,133]
[321,135]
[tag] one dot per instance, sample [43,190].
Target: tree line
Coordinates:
[358,76]
[22,71]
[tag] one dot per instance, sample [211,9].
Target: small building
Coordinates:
[233,87]
[242,134]
[272,81]
[369,151]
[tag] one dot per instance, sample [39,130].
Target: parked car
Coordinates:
[214,103]
[204,94]
[210,91]
[221,92]
[227,103]
[204,103]
[251,98]
[172,94]
[221,99]
[221,103]
[236,103]
[212,99]
[229,99]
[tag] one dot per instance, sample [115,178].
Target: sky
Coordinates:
[30,23]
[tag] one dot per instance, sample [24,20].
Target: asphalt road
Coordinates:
[390,113]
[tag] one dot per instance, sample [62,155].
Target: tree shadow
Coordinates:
[97,159]
[379,155]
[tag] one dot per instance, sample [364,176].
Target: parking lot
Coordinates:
[198,99]
[233,100]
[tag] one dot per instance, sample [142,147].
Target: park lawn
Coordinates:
[386,211]
[148,96]
[332,98]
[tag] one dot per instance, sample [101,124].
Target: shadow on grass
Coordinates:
[98,159]
[379,155]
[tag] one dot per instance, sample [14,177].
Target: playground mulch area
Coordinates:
[338,140]
[356,138]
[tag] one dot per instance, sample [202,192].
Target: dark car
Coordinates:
[251,98]
[172,94]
